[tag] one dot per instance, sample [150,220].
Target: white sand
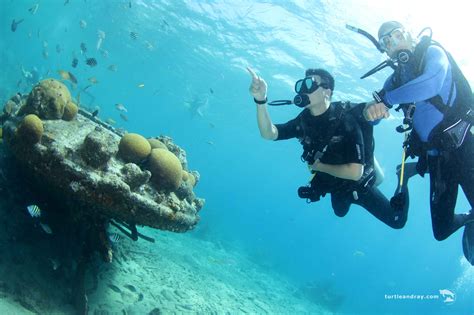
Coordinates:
[177,274]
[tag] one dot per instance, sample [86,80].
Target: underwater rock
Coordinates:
[76,164]
[134,176]
[98,147]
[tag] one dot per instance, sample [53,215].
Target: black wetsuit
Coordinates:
[346,145]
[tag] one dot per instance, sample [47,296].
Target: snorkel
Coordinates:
[300,100]
[387,63]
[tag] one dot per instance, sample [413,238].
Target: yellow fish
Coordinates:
[1,133]
[141,85]
[66,75]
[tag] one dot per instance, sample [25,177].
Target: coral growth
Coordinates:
[157,144]
[165,168]
[31,129]
[134,148]
[47,100]
[70,111]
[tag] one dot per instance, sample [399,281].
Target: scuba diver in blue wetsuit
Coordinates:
[338,148]
[438,102]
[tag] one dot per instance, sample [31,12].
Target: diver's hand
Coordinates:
[374,111]
[258,87]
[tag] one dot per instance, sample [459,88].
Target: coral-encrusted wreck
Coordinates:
[97,170]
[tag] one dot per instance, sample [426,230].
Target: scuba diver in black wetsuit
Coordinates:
[337,149]
[427,78]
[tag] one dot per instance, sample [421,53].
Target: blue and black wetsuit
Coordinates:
[447,169]
[346,145]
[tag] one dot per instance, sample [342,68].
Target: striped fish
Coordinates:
[34,211]
[46,228]
[115,237]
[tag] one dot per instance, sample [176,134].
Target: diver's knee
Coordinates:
[440,235]
[341,212]
[399,223]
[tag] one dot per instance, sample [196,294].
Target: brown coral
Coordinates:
[31,129]
[189,178]
[134,148]
[47,100]
[157,144]
[70,111]
[166,169]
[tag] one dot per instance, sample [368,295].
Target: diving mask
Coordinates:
[303,87]
[309,85]
[391,38]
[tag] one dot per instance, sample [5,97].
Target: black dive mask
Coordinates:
[303,87]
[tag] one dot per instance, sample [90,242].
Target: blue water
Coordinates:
[191,57]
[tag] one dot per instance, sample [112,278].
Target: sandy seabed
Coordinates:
[179,273]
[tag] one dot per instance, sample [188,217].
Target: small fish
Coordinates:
[34,211]
[211,90]
[66,2]
[104,53]
[58,48]
[124,117]
[110,121]
[115,237]
[82,24]
[121,108]
[133,35]
[149,45]
[141,85]
[95,113]
[55,264]
[72,78]
[92,62]
[30,34]
[112,68]
[45,53]
[66,75]
[93,80]
[358,253]
[78,99]
[100,39]
[45,44]
[1,132]
[83,48]
[34,8]
[46,228]
[74,62]
[130,4]
[15,24]
[210,142]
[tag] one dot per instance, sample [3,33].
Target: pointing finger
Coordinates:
[252,73]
